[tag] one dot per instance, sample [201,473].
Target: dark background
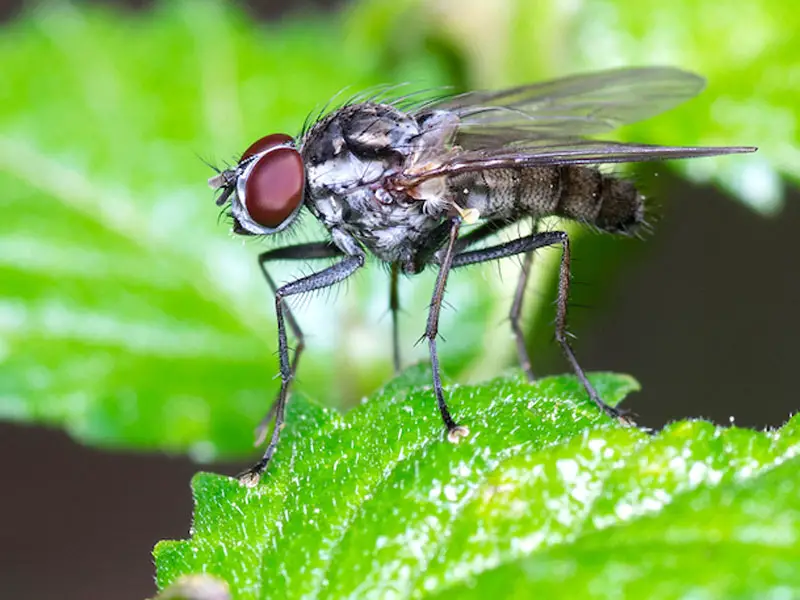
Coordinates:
[705,317]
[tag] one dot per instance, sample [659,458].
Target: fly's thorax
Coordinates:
[346,192]
[367,130]
[349,156]
[391,232]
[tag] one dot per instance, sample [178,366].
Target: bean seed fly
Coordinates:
[402,179]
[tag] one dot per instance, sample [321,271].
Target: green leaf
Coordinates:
[546,497]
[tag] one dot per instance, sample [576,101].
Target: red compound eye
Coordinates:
[274,188]
[265,143]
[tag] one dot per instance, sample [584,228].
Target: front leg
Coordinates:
[322,279]
[454,431]
[310,251]
[394,307]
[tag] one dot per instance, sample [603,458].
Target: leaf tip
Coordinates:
[210,484]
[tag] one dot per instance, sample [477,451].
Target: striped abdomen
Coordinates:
[579,193]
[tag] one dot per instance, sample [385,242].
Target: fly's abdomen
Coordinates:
[589,196]
[578,193]
[508,193]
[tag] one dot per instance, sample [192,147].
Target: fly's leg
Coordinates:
[528,244]
[435,242]
[454,431]
[322,279]
[299,252]
[514,316]
[487,229]
[562,336]
[394,306]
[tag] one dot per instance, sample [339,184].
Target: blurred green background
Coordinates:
[131,318]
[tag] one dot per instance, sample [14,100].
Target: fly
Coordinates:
[399,179]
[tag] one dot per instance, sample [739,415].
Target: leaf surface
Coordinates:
[377,504]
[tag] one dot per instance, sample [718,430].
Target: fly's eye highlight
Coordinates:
[274,187]
[265,143]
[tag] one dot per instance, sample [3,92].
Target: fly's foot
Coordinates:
[252,476]
[625,417]
[622,416]
[455,433]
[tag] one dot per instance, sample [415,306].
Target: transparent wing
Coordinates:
[549,153]
[573,106]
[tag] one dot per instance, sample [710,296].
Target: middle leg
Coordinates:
[515,313]
[394,306]
[321,279]
[454,431]
[309,251]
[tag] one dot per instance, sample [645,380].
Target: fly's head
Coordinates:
[265,188]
